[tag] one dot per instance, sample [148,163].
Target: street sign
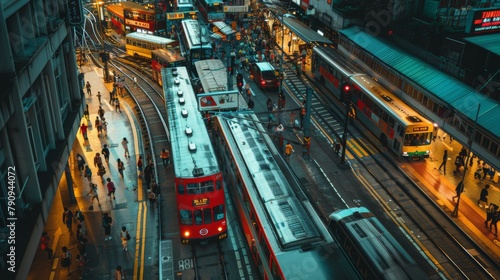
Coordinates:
[75,12]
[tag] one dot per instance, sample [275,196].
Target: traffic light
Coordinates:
[345,92]
[230,70]
[239,81]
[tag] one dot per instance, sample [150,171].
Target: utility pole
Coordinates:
[345,91]
[307,121]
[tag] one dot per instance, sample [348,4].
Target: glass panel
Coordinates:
[218,212]
[207,215]
[198,220]
[180,189]
[186,217]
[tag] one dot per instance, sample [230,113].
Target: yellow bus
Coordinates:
[141,44]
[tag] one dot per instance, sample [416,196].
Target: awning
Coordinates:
[488,42]
[223,27]
[305,32]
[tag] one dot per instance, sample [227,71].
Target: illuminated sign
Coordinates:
[172,16]
[200,202]
[75,12]
[483,21]
[218,100]
[235,9]
[422,128]
[137,23]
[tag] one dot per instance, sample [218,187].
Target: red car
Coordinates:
[264,75]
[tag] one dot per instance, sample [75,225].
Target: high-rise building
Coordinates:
[41,104]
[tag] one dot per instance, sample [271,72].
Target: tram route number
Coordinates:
[222,236]
[185,264]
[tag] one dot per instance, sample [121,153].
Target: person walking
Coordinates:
[337,146]
[111,188]
[459,162]
[125,147]
[148,174]
[120,166]
[101,171]
[107,222]
[44,245]
[165,157]
[81,163]
[269,104]
[97,160]
[86,113]
[458,190]
[82,248]
[125,238]
[135,82]
[288,151]
[100,112]
[94,193]
[489,213]
[88,173]
[483,197]
[83,130]
[88,87]
[117,106]
[152,198]
[119,274]
[139,166]
[445,159]
[98,125]
[486,170]
[99,96]
[251,104]
[104,127]
[66,259]
[80,232]
[494,220]
[105,152]
[68,219]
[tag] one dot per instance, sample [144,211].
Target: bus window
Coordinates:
[390,122]
[197,217]
[207,216]
[186,217]
[218,183]
[180,189]
[207,186]
[193,189]
[218,212]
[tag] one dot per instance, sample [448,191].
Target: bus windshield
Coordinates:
[417,139]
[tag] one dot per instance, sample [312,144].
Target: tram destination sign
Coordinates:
[483,21]
[200,202]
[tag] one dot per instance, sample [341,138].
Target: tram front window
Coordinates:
[197,217]
[218,212]
[207,216]
[186,217]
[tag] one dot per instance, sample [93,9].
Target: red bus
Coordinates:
[199,186]
[211,10]
[129,17]
[163,58]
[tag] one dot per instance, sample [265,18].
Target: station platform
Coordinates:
[72,193]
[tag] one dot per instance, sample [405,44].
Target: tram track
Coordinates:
[441,231]
[207,264]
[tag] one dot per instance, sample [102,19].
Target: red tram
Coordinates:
[163,58]
[199,186]
[129,17]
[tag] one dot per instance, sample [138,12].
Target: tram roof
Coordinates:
[213,74]
[276,204]
[454,93]
[118,8]
[167,55]
[305,32]
[185,160]
[150,38]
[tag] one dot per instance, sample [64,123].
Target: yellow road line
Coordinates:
[143,239]
[137,244]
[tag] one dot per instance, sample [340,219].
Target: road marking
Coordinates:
[143,239]
[137,244]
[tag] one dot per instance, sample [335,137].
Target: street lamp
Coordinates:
[282,76]
[460,186]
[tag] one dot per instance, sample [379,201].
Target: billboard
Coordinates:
[221,100]
[483,21]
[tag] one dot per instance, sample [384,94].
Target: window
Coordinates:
[198,220]
[207,215]
[180,189]
[219,212]
[218,183]
[186,217]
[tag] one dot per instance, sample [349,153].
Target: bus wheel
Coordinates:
[383,140]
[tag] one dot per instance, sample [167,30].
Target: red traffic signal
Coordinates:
[239,80]
[346,88]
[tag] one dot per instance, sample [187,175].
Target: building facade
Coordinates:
[41,104]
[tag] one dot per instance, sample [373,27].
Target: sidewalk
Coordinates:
[104,256]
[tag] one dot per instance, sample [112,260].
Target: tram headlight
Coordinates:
[186,234]
[219,229]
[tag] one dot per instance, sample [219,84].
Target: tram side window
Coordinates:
[275,269]
[207,216]
[186,217]
[180,189]
[390,122]
[198,220]
[218,183]
[193,189]
[218,212]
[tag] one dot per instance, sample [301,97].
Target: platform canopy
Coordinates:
[488,42]
[305,32]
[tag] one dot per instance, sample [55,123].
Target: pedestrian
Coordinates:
[139,166]
[445,159]
[251,104]
[289,46]
[135,82]
[44,244]
[66,259]
[151,197]
[82,248]
[459,162]
[119,274]
[80,232]
[83,130]
[494,220]
[483,197]
[489,213]
[107,222]
[104,127]
[288,151]
[88,87]
[120,166]
[81,163]
[68,219]
[302,116]
[101,171]
[94,193]
[148,174]
[165,157]
[99,96]
[125,238]
[105,152]
[337,146]
[86,113]
[125,147]
[100,112]
[79,217]
[269,104]
[97,160]
[98,125]
[117,106]
[88,173]
[458,190]
[111,188]
[486,170]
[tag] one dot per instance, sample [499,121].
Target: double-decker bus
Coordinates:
[131,17]
[196,43]
[199,186]
[286,236]
[211,10]
[140,44]
[163,58]
[398,126]
[376,253]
